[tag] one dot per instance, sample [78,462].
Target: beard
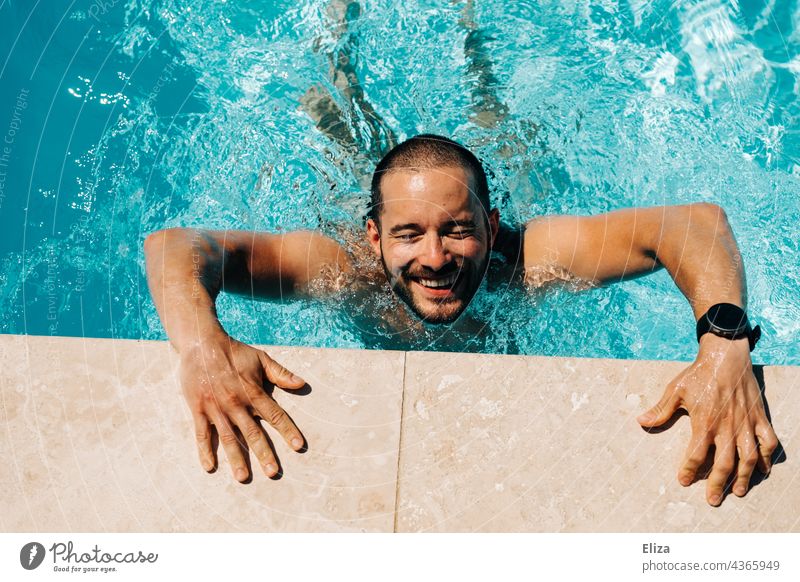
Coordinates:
[442,310]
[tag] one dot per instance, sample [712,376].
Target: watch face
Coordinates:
[727,317]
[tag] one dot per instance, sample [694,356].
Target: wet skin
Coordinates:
[434,240]
[432,229]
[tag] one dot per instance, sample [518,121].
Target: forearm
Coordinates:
[184,274]
[698,249]
[223,380]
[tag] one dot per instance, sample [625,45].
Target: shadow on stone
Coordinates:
[667,425]
[779,456]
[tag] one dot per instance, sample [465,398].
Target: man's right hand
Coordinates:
[224,383]
[223,379]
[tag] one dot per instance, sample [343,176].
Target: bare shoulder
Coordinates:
[547,238]
[365,266]
[549,250]
[314,249]
[342,262]
[315,263]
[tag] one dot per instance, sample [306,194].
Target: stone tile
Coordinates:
[510,443]
[96,437]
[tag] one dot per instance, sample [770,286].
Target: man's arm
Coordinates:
[694,242]
[697,247]
[222,379]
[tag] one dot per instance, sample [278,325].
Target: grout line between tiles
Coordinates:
[400,444]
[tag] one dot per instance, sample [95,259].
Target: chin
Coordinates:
[439,314]
[431,311]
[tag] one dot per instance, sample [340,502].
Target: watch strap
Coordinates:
[704,325]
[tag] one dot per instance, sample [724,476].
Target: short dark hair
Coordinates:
[427,151]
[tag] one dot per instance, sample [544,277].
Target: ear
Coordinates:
[494,225]
[374,237]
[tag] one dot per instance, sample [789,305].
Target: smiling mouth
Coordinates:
[444,283]
[439,289]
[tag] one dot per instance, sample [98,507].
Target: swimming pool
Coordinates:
[125,117]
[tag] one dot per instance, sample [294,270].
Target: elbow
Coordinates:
[155,241]
[709,213]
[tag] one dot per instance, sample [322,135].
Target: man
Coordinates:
[432,228]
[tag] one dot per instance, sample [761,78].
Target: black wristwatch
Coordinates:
[728,321]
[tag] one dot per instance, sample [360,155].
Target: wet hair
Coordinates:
[423,152]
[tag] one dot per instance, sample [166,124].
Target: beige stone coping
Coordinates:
[95,436]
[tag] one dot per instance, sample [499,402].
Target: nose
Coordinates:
[434,255]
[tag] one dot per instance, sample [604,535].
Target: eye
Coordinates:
[461,233]
[407,237]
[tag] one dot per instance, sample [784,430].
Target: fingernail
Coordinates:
[297,443]
[685,480]
[646,417]
[271,469]
[241,474]
[714,499]
[296,378]
[740,490]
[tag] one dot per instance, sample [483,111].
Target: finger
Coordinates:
[724,460]
[748,457]
[766,439]
[767,445]
[202,433]
[279,375]
[257,441]
[695,456]
[276,416]
[663,411]
[231,446]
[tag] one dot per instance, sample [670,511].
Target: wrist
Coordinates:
[728,359]
[711,342]
[200,336]
[728,321]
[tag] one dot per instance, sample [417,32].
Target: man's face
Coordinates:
[434,240]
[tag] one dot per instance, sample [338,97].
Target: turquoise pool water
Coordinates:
[123,117]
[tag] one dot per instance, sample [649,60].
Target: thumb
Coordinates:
[279,375]
[661,412]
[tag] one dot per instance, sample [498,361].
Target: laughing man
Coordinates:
[431,226]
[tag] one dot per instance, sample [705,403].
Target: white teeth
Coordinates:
[438,283]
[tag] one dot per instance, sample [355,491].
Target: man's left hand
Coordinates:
[723,399]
